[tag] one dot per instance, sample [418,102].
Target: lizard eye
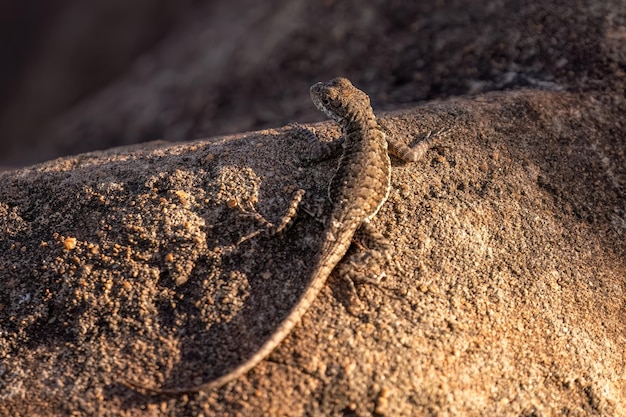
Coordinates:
[325,101]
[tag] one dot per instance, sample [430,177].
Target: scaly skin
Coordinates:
[358,189]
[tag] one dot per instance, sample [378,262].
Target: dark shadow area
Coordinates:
[225,67]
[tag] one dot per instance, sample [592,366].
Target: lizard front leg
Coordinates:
[414,154]
[318,150]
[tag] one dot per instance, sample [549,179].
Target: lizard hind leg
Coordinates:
[270,228]
[367,264]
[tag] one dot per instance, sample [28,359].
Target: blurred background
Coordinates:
[80,75]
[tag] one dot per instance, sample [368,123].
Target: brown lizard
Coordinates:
[358,189]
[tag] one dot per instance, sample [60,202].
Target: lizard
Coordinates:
[357,191]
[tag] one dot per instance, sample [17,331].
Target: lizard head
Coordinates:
[338,98]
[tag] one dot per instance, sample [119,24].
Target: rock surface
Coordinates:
[505,297]
[506,293]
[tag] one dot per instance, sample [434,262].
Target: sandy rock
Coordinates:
[505,295]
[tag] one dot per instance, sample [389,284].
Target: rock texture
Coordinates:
[506,296]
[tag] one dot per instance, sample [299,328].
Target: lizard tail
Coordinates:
[330,255]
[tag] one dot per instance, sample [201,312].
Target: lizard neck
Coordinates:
[358,121]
